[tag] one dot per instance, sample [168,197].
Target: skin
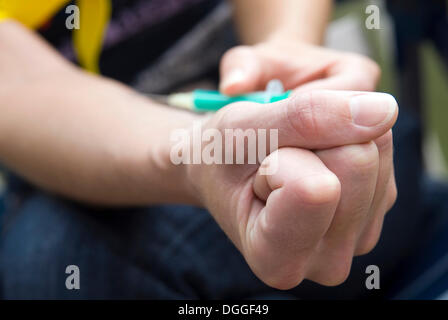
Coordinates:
[282,42]
[259,20]
[320,208]
[97,141]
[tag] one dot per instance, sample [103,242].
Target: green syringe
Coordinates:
[201,100]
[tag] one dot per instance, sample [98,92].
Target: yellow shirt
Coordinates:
[88,39]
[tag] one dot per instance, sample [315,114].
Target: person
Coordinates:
[100,188]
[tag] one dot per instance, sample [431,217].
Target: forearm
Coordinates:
[82,136]
[260,20]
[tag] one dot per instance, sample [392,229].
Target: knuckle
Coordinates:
[234,52]
[222,118]
[368,243]
[302,115]
[362,157]
[317,189]
[392,196]
[281,272]
[341,272]
[269,231]
[366,66]
[336,273]
[284,281]
[385,141]
[232,115]
[375,71]
[370,240]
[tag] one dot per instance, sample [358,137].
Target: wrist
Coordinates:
[288,36]
[176,179]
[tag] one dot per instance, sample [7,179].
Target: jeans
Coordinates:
[179,252]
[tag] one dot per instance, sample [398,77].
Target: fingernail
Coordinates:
[372,109]
[234,77]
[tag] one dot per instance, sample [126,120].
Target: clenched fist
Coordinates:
[326,199]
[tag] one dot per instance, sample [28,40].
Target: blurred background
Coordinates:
[411,48]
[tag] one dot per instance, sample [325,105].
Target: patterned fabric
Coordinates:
[135,27]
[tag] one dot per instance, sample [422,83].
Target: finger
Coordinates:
[320,119]
[385,195]
[240,71]
[303,195]
[347,81]
[356,167]
[359,74]
[370,235]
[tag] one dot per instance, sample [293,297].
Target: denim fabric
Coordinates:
[172,252]
[2,204]
[424,275]
[159,252]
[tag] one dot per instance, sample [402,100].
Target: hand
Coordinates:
[318,209]
[298,65]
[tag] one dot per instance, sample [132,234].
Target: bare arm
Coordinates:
[95,140]
[81,135]
[258,20]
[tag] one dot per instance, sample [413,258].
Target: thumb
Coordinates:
[326,119]
[240,71]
